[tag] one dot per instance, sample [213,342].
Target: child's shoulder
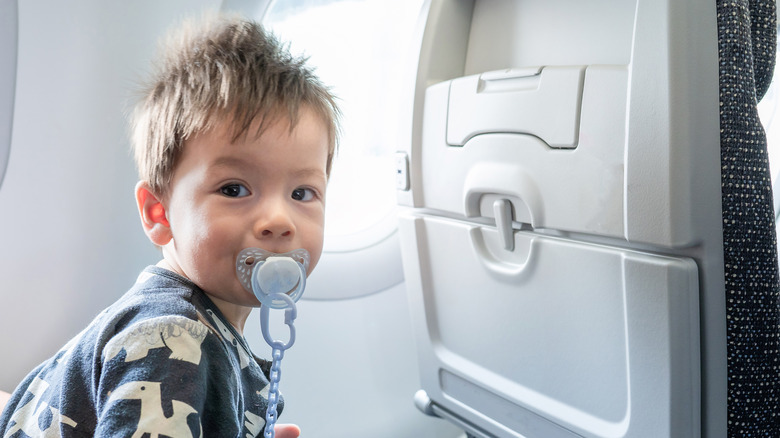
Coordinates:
[160,293]
[162,309]
[160,290]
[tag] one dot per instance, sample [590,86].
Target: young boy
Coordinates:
[233,140]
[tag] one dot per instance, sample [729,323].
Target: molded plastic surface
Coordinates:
[574,190]
[599,341]
[267,274]
[562,230]
[8,48]
[543,102]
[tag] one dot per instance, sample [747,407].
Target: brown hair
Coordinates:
[221,68]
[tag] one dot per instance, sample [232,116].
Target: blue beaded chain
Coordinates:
[290,313]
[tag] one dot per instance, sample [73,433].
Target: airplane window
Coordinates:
[768,114]
[362,49]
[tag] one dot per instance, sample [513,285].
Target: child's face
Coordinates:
[266,192]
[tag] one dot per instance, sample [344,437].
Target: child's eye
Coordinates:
[302,194]
[234,190]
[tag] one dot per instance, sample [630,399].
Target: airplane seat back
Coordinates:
[562,222]
[747,45]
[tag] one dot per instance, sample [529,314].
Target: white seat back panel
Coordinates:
[593,338]
[579,189]
[561,224]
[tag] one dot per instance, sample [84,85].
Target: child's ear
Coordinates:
[153,217]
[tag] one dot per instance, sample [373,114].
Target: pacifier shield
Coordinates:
[266,274]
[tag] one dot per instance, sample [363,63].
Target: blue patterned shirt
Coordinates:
[162,360]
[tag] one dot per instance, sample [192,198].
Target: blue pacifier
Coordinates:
[267,275]
[277,280]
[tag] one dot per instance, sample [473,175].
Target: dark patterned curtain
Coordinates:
[747,41]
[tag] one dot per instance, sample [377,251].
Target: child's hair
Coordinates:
[221,69]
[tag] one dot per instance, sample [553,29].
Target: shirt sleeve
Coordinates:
[161,376]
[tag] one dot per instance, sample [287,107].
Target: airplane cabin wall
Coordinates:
[71,242]
[71,239]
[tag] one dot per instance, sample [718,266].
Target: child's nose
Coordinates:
[274,221]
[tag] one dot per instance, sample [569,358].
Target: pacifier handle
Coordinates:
[290,313]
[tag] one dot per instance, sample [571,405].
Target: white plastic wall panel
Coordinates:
[8,48]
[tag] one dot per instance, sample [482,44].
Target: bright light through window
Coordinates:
[768,113]
[362,50]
